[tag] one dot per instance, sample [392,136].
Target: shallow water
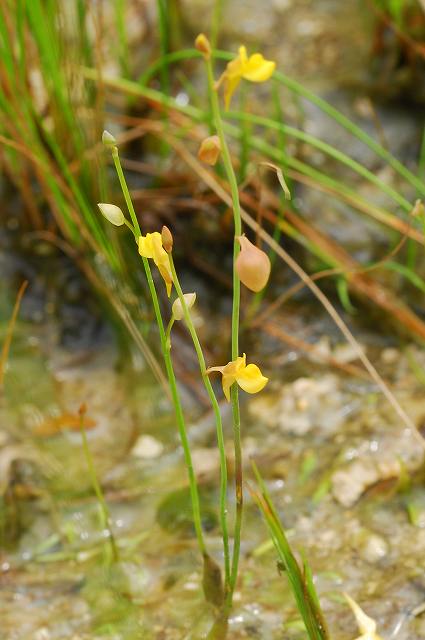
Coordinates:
[346,476]
[332,451]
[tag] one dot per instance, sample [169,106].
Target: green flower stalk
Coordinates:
[235,330]
[165,351]
[254,69]
[179,312]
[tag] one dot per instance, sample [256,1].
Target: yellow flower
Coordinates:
[255,69]
[150,246]
[248,377]
[366,625]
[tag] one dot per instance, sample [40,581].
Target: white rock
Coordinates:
[147,447]
[205,460]
[373,548]
[349,483]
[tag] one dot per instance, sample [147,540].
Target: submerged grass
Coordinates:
[300,580]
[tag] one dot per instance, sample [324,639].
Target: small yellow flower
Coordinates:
[150,246]
[248,377]
[366,625]
[255,69]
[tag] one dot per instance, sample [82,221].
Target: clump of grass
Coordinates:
[300,579]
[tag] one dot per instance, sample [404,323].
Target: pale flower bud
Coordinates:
[177,308]
[167,239]
[252,265]
[210,150]
[203,45]
[112,213]
[108,139]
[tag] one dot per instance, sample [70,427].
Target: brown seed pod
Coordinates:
[167,239]
[252,265]
[210,150]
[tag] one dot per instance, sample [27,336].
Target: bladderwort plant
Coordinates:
[254,273]
[251,267]
[256,69]
[151,246]
[158,247]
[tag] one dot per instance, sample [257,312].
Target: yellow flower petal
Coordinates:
[258,69]
[251,380]
[255,68]
[167,277]
[243,56]
[150,246]
[231,84]
[235,366]
[145,246]
[160,256]
[227,382]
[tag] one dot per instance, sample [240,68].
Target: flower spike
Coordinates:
[248,377]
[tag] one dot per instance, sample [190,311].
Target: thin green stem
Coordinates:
[217,417]
[227,161]
[216,20]
[130,226]
[168,332]
[125,191]
[168,365]
[163,21]
[103,507]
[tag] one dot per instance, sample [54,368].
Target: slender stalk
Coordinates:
[218,421]
[165,347]
[105,520]
[227,161]
[126,193]
[216,20]
[163,21]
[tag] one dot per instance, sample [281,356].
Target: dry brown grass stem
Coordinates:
[9,332]
[357,277]
[326,273]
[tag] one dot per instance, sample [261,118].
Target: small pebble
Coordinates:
[374,548]
[147,447]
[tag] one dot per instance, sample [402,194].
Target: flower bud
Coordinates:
[252,265]
[177,308]
[203,45]
[112,213]
[108,139]
[210,150]
[167,239]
